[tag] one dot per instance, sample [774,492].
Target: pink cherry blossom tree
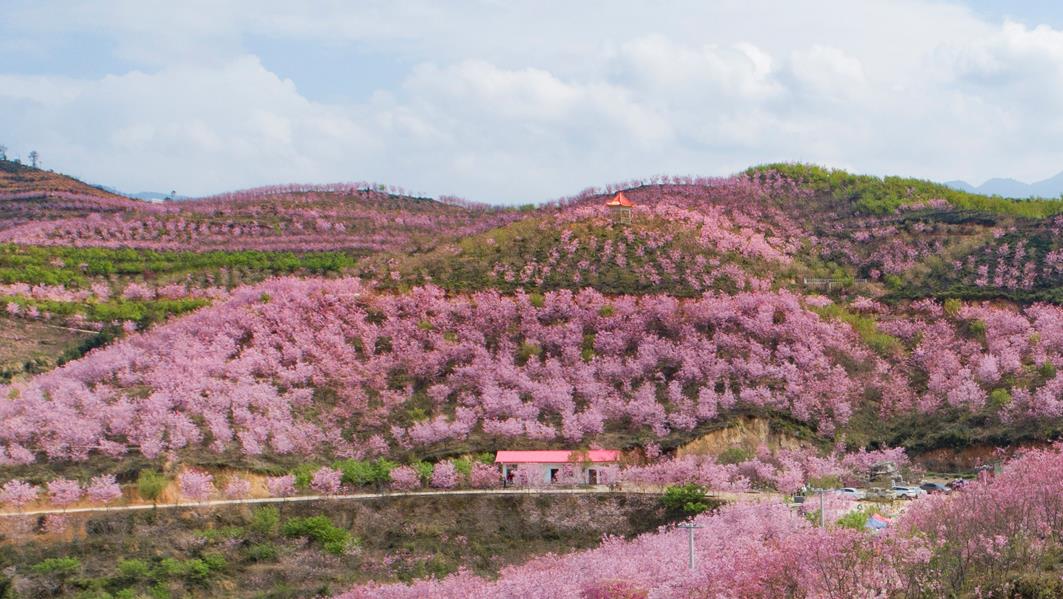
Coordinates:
[281,486]
[196,485]
[64,492]
[17,493]
[326,481]
[103,489]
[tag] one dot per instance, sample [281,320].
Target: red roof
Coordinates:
[556,456]
[620,200]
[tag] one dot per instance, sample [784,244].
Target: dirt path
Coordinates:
[600,489]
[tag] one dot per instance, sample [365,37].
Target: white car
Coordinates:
[900,492]
[852,493]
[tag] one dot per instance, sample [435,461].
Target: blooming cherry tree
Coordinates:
[326,481]
[196,485]
[103,489]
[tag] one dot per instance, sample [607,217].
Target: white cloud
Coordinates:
[741,72]
[829,73]
[504,104]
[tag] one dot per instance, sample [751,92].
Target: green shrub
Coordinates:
[221,534]
[976,329]
[587,347]
[264,519]
[856,519]
[424,470]
[537,300]
[58,566]
[133,569]
[320,529]
[262,552]
[1034,585]
[169,567]
[463,466]
[215,561]
[195,571]
[151,484]
[688,499]
[734,455]
[303,475]
[527,351]
[952,307]
[865,326]
[364,473]
[998,398]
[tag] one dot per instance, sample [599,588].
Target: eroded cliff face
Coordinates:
[747,432]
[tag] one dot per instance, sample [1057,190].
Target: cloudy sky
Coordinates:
[511,101]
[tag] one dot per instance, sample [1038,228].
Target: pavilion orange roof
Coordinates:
[620,200]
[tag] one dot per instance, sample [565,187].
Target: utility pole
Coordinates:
[690,542]
[821,508]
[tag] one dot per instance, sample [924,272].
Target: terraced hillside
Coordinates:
[300,338]
[355,217]
[29,195]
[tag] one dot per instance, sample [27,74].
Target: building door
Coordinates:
[551,475]
[592,476]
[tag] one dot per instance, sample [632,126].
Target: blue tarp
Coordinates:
[876,524]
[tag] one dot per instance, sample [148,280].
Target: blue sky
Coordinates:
[524,101]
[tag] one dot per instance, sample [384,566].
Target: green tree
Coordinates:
[150,485]
[360,473]
[264,519]
[689,499]
[424,470]
[734,455]
[856,519]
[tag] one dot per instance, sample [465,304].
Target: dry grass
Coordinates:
[27,346]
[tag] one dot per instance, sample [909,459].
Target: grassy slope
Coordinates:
[29,347]
[437,536]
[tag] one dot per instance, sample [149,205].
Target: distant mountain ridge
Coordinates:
[1013,188]
[150,196]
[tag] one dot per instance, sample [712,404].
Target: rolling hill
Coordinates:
[848,306]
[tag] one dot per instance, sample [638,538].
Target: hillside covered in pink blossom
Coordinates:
[859,309]
[332,366]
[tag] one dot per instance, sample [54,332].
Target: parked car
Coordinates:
[852,493]
[933,488]
[879,493]
[900,492]
[958,483]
